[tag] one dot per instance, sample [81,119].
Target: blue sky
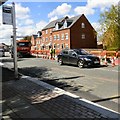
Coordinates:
[33,16]
[41,9]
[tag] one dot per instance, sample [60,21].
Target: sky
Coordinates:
[32,16]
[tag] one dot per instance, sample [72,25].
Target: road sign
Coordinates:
[7,15]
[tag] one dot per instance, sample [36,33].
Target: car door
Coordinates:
[72,57]
[65,57]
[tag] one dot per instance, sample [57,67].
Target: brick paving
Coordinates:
[25,99]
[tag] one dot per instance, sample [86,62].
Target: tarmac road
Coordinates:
[93,83]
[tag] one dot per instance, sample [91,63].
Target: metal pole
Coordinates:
[14,42]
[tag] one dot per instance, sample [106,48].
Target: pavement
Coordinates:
[31,98]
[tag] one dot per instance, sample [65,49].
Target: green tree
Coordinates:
[110,28]
[27,38]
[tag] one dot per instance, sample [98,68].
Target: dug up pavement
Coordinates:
[31,98]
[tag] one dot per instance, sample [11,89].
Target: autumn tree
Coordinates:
[110,28]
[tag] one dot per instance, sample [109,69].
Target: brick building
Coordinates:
[74,32]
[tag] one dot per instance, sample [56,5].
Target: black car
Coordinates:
[78,57]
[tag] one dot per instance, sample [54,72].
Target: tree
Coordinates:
[110,28]
[27,38]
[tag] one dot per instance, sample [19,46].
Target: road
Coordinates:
[99,85]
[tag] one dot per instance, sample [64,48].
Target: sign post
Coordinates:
[10,19]
[14,42]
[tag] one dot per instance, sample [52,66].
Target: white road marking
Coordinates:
[107,69]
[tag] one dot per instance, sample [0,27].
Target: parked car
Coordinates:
[78,57]
[2,52]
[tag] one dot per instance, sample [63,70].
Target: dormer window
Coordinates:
[65,24]
[82,25]
[56,26]
[46,31]
[39,33]
[50,30]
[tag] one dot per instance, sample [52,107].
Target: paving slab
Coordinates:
[32,98]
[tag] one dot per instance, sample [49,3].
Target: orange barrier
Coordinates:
[113,61]
[104,55]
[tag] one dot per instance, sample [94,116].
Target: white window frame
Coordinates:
[50,38]
[82,25]
[66,46]
[43,39]
[46,31]
[56,26]
[58,37]
[50,30]
[66,36]
[54,37]
[83,36]
[65,24]
[58,46]
[46,39]
[62,36]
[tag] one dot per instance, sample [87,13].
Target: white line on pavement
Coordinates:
[107,69]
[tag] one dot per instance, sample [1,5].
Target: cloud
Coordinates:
[60,10]
[84,10]
[29,21]
[89,8]
[24,24]
[96,26]
[22,12]
[25,30]
[53,18]
[99,4]
[5,33]
[41,25]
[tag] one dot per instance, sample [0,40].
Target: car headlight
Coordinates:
[87,59]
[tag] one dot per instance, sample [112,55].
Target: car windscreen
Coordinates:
[23,44]
[82,52]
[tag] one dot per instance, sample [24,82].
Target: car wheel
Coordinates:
[80,64]
[60,61]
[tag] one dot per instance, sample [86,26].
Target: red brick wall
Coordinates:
[57,41]
[90,40]
[60,41]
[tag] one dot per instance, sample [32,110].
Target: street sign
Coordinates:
[7,15]
[9,18]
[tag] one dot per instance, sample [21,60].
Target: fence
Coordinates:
[104,55]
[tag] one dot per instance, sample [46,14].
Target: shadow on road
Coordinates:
[43,74]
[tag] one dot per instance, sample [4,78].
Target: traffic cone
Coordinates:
[113,61]
[105,61]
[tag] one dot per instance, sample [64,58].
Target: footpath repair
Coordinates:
[31,98]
